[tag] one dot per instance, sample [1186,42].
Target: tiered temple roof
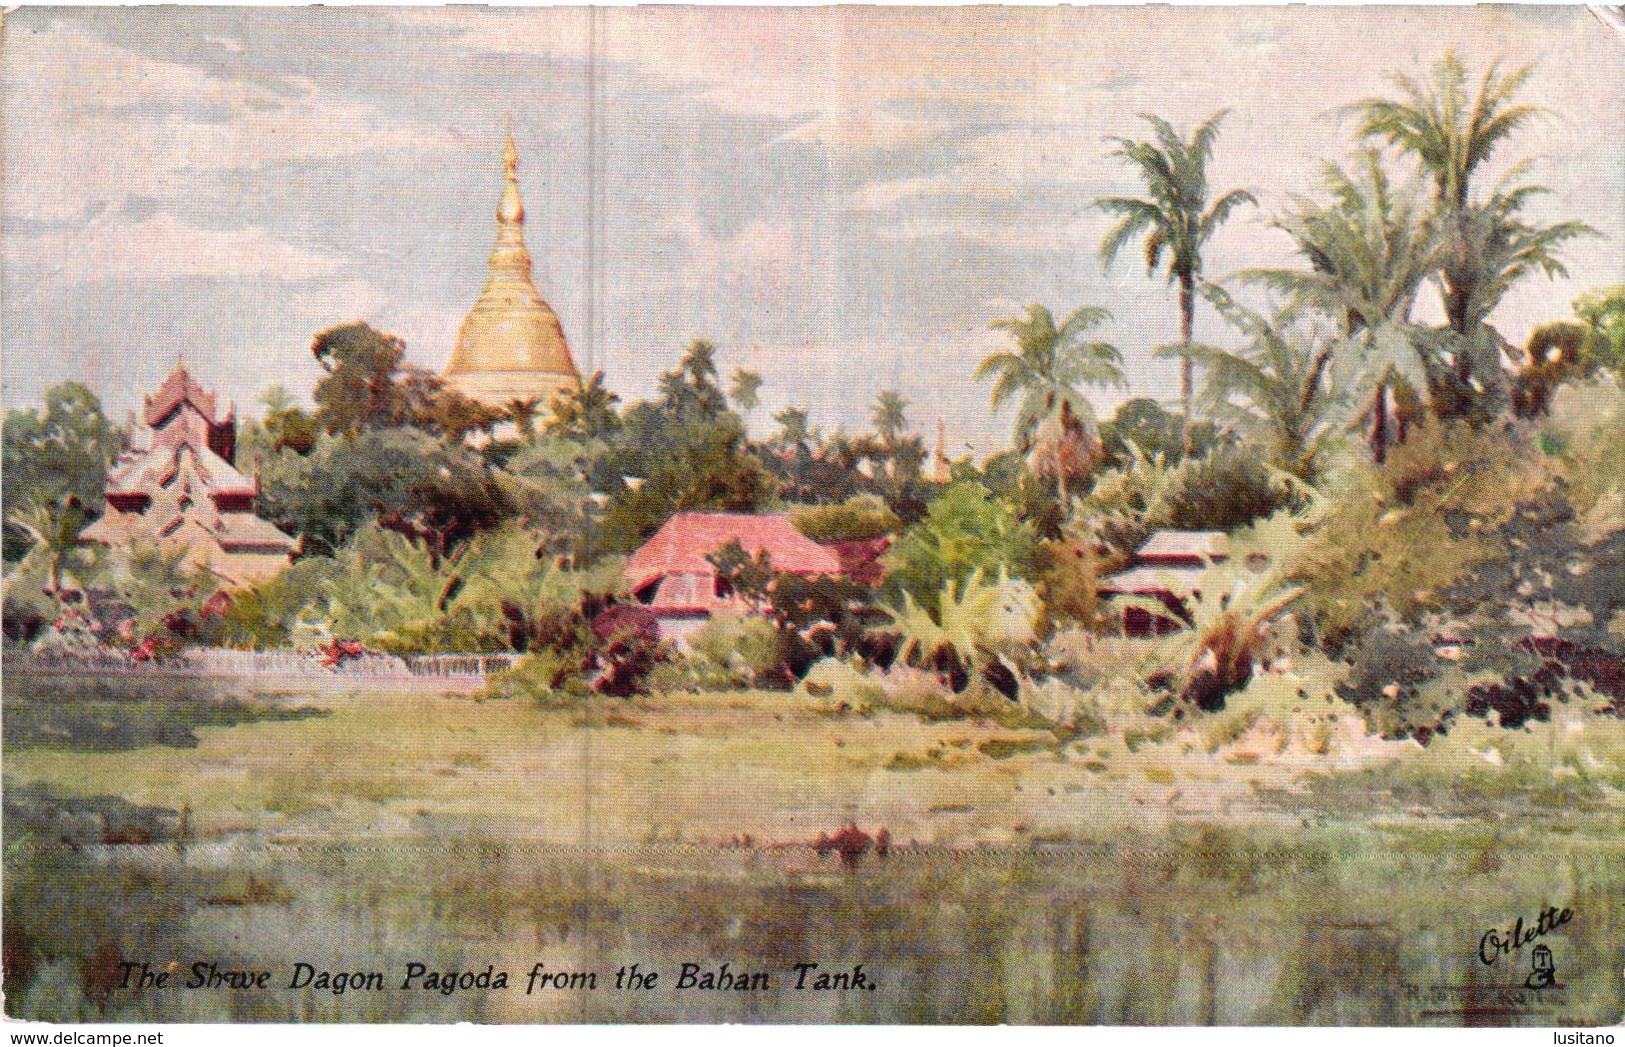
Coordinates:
[183,489]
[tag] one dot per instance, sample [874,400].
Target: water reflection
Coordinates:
[1072,936]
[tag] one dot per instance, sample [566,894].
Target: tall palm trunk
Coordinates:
[1187,321]
[1379,426]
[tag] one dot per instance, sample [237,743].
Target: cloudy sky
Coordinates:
[840,198]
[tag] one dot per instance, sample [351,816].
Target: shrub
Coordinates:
[859,518]
[265,615]
[981,625]
[828,612]
[625,663]
[965,530]
[1069,582]
[743,650]
[1232,611]
[1411,528]
[927,696]
[685,674]
[1302,714]
[1226,488]
[1394,681]
[551,678]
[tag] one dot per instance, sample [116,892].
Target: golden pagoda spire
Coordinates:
[511,345]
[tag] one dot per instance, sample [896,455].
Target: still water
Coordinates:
[1087,935]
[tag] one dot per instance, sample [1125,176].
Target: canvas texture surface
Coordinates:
[848,515]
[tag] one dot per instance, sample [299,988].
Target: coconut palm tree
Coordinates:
[1049,366]
[1451,132]
[1370,250]
[889,415]
[745,390]
[1055,422]
[1275,387]
[1174,218]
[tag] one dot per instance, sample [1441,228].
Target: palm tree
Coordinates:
[889,415]
[522,412]
[690,391]
[1055,422]
[1048,366]
[796,434]
[1448,135]
[585,412]
[53,533]
[1499,248]
[1175,217]
[1485,246]
[745,390]
[1370,250]
[1280,381]
[1055,425]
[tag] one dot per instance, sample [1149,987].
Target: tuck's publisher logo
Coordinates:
[1544,973]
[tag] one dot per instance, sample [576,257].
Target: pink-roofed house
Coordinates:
[183,489]
[672,575]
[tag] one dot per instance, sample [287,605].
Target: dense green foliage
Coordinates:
[54,455]
[1439,512]
[965,530]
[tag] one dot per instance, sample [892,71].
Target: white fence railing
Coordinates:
[226,662]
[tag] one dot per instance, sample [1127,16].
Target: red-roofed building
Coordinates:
[1166,568]
[672,575]
[183,489]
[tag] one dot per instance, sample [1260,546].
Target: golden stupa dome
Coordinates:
[511,345]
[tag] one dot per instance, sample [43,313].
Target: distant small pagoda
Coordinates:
[183,489]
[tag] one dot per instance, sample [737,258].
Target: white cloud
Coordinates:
[110,248]
[82,136]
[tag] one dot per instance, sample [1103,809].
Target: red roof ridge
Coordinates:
[685,540]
